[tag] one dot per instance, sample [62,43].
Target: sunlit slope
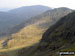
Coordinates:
[30,34]
[27,36]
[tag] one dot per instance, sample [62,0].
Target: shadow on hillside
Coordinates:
[25,51]
[28,51]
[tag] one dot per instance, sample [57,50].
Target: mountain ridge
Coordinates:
[50,17]
[9,20]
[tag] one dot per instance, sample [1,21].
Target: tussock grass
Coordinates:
[26,37]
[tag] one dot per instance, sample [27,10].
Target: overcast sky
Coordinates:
[50,3]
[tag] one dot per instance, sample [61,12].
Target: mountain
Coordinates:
[44,20]
[7,21]
[30,32]
[59,37]
[14,17]
[41,23]
[29,11]
[14,20]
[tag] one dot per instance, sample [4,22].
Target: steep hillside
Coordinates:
[59,37]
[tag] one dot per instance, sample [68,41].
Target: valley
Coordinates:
[38,35]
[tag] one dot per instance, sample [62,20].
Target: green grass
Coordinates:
[69,49]
[13,51]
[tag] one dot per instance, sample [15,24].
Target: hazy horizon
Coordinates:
[49,3]
[8,9]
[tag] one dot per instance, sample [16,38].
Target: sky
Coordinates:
[49,3]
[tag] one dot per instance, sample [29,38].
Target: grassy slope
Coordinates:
[24,38]
[27,36]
